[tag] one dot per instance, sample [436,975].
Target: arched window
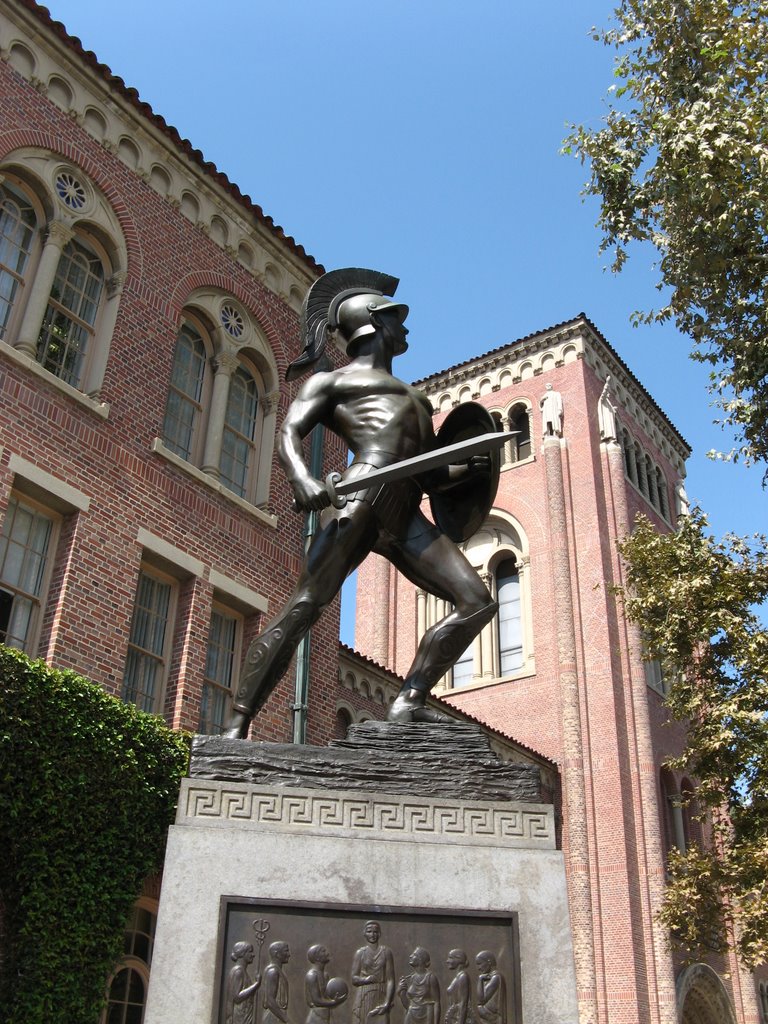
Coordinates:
[127,997]
[630,466]
[184,411]
[663,494]
[69,322]
[221,405]
[520,420]
[241,431]
[62,266]
[127,993]
[504,647]
[18,223]
[650,476]
[509,617]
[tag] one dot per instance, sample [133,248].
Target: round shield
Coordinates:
[461,509]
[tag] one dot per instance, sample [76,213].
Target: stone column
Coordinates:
[224,365]
[574,794]
[97,363]
[487,665]
[651,860]
[59,233]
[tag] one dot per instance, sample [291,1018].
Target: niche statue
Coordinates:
[387,425]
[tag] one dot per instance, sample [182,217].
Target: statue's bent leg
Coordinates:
[267,660]
[434,563]
[439,650]
[338,547]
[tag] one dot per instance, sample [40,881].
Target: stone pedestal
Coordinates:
[314,863]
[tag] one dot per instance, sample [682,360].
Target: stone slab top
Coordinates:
[447,760]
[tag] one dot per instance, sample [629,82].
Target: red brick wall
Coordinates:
[91,596]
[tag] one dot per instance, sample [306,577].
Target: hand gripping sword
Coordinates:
[459,451]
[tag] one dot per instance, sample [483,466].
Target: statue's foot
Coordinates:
[239,725]
[409,706]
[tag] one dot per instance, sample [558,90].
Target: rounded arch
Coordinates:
[239,324]
[43,173]
[702,998]
[197,282]
[345,716]
[61,92]
[22,58]
[273,277]
[29,147]
[500,537]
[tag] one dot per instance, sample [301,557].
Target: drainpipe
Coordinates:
[301,690]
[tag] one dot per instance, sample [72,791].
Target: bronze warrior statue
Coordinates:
[383,421]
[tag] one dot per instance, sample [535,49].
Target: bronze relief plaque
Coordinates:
[314,963]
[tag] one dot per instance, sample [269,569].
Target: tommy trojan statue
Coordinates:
[385,422]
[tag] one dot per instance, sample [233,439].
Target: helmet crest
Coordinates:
[345,301]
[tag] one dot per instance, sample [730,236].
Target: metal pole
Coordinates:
[301,690]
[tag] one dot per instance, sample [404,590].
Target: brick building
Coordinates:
[561,669]
[148,310]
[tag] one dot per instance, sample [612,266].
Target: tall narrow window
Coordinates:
[127,996]
[520,421]
[24,548]
[69,322]
[463,670]
[219,673]
[238,451]
[17,227]
[145,665]
[128,989]
[509,618]
[184,406]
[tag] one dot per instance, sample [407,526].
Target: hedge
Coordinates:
[88,787]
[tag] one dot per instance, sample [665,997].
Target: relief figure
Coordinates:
[419,992]
[241,991]
[320,993]
[491,990]
[276,985]
[459,991]
[373,975]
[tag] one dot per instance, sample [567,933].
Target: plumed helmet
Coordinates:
[346,301]
[354,316]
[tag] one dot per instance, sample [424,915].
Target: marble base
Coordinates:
[252,841]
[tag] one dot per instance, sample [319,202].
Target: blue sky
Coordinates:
[421,137]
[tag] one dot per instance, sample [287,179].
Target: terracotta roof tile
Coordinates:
[131,95]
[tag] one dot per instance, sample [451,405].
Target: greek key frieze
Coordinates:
[380,815]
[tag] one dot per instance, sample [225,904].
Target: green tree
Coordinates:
[695,600]
[681,161]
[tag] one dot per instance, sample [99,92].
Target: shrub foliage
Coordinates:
[88,787]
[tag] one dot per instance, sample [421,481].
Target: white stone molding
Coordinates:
[50,66]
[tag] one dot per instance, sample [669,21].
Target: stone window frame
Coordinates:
[510,541]
[252,352]
[40,598]
[505,420]
[202,403]
[646,476]
[129,960]
[94,225]
[763,998]
[149,569]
